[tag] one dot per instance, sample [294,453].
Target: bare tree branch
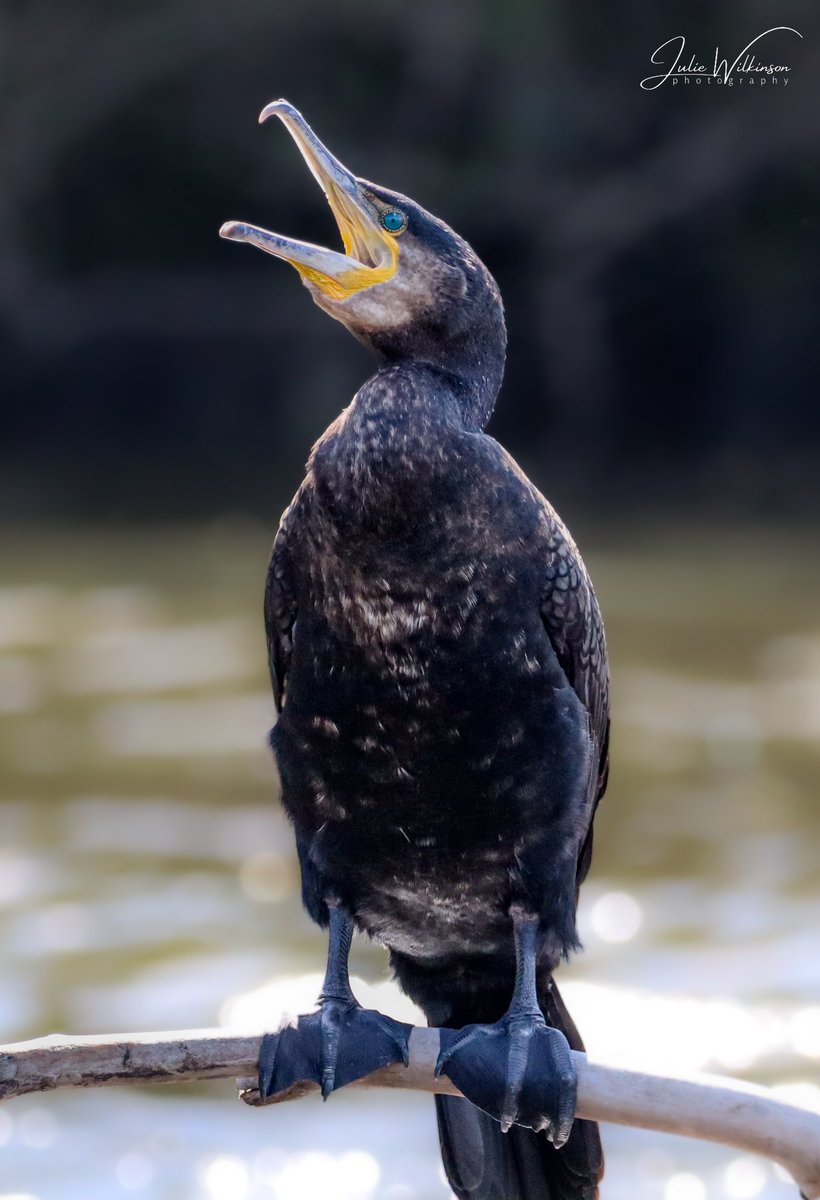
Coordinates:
[710,1108]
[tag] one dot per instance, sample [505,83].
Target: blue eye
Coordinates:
[393,221]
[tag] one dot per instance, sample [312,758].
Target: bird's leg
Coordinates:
[341,1041]
[519,1070]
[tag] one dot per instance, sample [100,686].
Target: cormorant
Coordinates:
[440,676]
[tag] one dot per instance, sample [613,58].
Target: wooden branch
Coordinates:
[701,1106]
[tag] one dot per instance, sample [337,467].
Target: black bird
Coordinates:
[440,674]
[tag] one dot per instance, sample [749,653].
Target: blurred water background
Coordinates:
[147,877]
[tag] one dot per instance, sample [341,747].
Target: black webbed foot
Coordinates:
[519,1070]
[337,1044]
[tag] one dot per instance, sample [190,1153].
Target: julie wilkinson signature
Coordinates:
[745,68]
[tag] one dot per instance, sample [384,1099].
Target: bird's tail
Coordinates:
[482,1163]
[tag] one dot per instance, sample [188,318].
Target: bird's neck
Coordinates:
[386,463]
[468,362]
[414,400]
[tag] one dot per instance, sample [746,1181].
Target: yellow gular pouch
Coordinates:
[354,280]
[357,278]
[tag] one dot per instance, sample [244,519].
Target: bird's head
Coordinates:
[406,284]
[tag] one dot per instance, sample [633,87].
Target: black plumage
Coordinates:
[439,669]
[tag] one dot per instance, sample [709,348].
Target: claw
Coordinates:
[401,1042]
[446,1054]
[568,1090]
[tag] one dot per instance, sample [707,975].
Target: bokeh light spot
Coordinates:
[685,1186]
[359,1173]
[744,1178]
[225,1177]
[616,917]
[353,1176]
[37,1128]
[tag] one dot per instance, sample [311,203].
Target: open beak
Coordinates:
[370,254]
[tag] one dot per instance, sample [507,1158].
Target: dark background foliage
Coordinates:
[657,250]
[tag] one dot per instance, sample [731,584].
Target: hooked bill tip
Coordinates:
[274,108]
[231,230]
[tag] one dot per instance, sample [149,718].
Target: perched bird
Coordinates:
[440,676]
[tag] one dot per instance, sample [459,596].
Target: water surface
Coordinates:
[147,878]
